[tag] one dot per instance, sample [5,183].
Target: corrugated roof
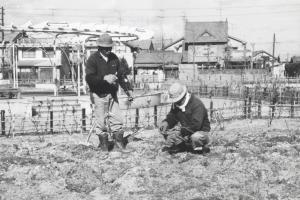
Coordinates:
[158,57]
[206,32]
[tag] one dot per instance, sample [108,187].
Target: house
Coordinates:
[38,62]
[295,59]
[237,58]
[262,59]
[292,69]
[174,45]
[140,45]
[205,43]
[6,53]
[157,66]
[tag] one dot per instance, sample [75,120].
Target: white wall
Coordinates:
[199,53]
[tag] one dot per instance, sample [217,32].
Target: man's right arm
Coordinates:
[171,118]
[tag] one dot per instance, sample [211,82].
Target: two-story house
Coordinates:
[38,63]
[205,43]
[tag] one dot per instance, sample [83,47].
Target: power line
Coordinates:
[154,9]
[158,16]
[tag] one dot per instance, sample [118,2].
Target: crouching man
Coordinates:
[190,112]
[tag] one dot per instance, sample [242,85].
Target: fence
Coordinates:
[69,116]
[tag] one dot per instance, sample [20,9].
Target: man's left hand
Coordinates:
[130,95]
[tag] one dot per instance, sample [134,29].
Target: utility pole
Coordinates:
[2,39]
[162,41]
[273,52]
[253,45]
[220,10]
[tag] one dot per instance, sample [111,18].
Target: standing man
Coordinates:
[104,74]
[189,111]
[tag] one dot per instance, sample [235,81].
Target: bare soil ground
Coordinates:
[248,161]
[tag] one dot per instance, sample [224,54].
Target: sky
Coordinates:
[254,21]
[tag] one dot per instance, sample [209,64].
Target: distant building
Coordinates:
[140,45]
[205,43]
[295,59]
[292,69]
[157,66]
[38,62]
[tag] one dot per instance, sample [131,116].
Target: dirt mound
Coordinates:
[81,178]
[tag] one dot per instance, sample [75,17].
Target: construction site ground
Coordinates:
[249,160]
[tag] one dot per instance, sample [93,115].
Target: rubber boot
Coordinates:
[174,149]
[121,141]
[111,142]
[103,142]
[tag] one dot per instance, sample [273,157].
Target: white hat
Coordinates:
[177,92]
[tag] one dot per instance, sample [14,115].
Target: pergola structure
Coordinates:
[81,35]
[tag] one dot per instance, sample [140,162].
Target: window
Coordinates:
[205,34]
[28,54]
[48,54]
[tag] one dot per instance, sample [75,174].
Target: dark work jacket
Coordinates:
[195,117]
[97,68]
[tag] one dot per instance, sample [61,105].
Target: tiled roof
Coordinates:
[206,32]
[141,44]
[10,36]
[158,57]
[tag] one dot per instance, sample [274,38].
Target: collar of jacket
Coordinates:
[187,99]
[103,57]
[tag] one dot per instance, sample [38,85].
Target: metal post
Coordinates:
[137,118]
[292,107]
[273,106]
[51,121]
[3,122]
[245,108]
[259,108]
[249,107]
[155,116]
[83,119]
[211,107]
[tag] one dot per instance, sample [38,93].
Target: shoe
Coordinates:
[110,145]
[201,150]
[121,141]
[172,150]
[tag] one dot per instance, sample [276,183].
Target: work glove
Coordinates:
[130,95]
[162,128]
[110,78]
